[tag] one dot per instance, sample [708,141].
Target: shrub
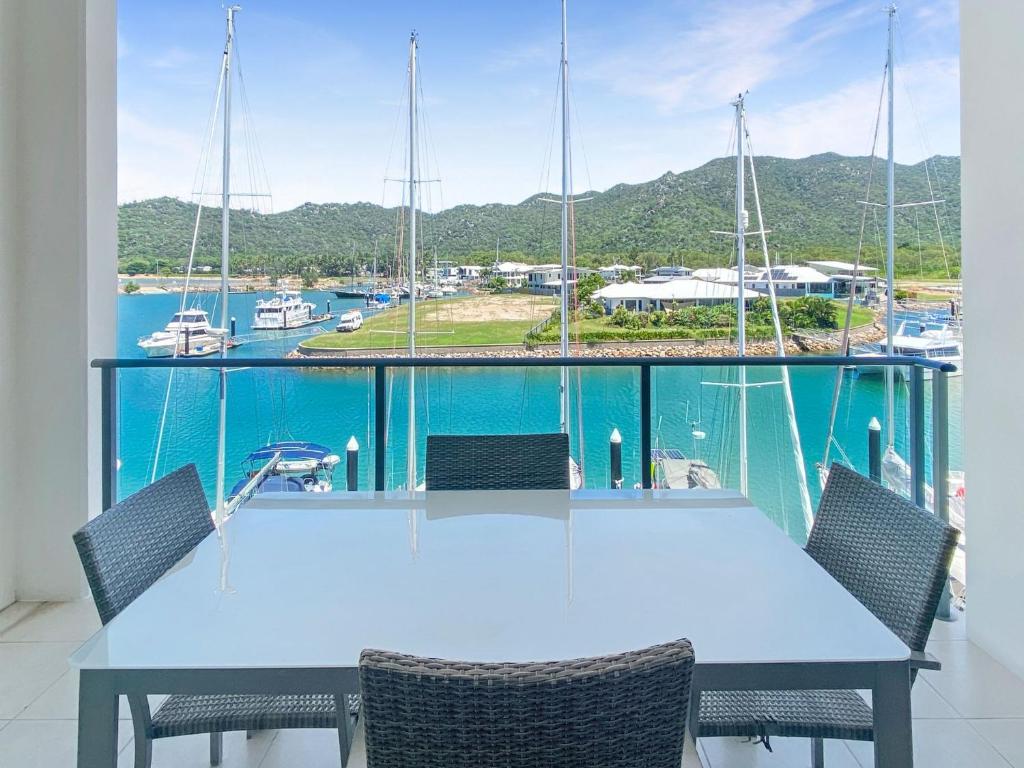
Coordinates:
[658,318]
[593,310]
[131,287]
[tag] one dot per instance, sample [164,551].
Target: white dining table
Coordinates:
[284,596]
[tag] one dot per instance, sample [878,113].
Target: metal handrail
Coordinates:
[109,368]
[824,361]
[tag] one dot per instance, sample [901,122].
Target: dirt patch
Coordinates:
[499,307]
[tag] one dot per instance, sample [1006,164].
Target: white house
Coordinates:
[843,274]
[616,272]
[470,272]
[793,280]
[715,274]
[665,274]
[547,278]
[513,272]
[648,297]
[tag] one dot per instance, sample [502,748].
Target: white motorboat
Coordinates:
[350,321]
[187,335]
[285,311]
[933,341]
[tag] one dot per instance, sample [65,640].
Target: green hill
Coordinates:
[810,205]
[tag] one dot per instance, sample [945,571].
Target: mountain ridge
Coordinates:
[811,205]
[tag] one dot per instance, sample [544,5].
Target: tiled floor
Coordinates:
[969,715]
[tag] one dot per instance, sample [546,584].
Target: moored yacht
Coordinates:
[187,335]
[934,341]
[285,311]
[301,467]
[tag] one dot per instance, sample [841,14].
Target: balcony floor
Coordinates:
[969,714]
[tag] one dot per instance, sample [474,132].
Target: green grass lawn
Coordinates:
[861,315]
[434,328]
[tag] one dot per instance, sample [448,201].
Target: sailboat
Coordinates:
[895,469]
[575,470]
[744,157]
[289,466]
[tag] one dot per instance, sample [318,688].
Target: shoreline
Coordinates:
[796,344]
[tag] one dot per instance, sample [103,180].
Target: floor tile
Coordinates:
[14,613]
[60,701]
[44,743]
[941,744]
[56,622]
[975,684]
[29,669]
[927,703]
[194,751]
[1007,736]
[786,753]
[950,630]
[311,749]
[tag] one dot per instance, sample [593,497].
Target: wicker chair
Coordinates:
[497,462]
[128,548]
[610,712]
[892,556]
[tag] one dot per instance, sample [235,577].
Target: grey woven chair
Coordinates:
[609,712]
[497,462]
[892,556]
[128,548]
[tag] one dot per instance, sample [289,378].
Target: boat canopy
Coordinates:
[290,451]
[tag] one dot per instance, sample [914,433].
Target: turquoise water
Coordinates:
[330,407]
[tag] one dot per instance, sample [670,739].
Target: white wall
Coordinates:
[59,242]
[992,113]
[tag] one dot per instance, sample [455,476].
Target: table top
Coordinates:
[307,580]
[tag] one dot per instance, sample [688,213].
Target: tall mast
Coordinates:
[410,467]
[566,172]
[741,263]
[225,249]
[890,249]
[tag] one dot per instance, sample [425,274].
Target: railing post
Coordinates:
[645,426]
[108,435]
[875,450]
[380,418]
[352,464]
[917,478]
[615,459]
[940,469]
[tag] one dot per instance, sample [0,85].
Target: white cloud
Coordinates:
[927,99]
[724,52]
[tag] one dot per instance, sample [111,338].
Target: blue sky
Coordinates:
[652,81]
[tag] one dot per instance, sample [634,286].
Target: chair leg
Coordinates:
[817,753]
[143,752]
[141,723]
[216,748]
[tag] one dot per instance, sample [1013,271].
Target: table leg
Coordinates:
[890,701]
[97,721]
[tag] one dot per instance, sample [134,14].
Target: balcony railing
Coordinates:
[382,367]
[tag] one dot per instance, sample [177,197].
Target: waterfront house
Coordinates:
[617,273]
[664,274]
[470,272]
[843,275]
[791,280]
[546,279]
[513,272]
[648,297]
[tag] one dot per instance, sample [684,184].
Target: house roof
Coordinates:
[792,273]
[673,290]
[840,266]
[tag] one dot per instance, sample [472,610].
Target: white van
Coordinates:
[350,321]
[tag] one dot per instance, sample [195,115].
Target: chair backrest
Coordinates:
[609,712]
[890,554]
[131,545]
[497,462]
